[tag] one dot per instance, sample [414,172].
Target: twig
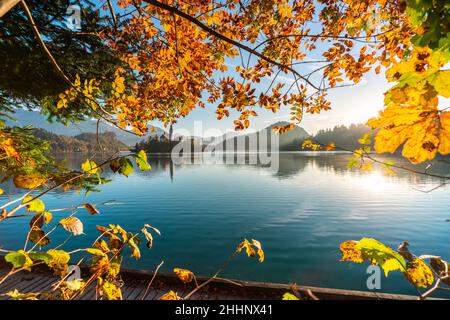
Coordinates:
[151,281]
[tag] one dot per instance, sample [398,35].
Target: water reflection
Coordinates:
[300,212]
[290,165]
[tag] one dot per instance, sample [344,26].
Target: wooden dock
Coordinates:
[136,282]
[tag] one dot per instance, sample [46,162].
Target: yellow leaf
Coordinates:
[285,10]
[16,295]
[365,139]
[260,251]
[309,144]
[418,273]
[101,245]
[90,167]
[171,295]
[59,261]
[411,118]
[248,248]
[8,146]
[48,217]
[289,296]
[444,145]
[111,291]
[367,166]
[95,252]
[74,285]
[35,205]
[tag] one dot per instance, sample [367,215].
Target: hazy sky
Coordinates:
[349,105]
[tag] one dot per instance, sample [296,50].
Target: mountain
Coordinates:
[292,137]
[38,120]
[84,142]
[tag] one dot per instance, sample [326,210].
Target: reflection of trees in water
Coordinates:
[337,164]
[289,165]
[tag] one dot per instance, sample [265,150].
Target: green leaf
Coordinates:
[16,259]
[380,254]
[352,163]
[441,82]
[19,259]
[365,139]
[141,161]
[40,256]
[417,10]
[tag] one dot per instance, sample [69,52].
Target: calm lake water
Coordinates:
[300,213]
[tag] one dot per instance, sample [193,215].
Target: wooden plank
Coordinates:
[45,286]
[136,282]
[137,292]
[128,288]
[12,282]
[33,284]
[90,294]
[155,294]
[23,283]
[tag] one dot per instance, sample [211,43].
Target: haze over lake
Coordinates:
[300,213]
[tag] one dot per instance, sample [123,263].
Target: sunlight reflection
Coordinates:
[376,181]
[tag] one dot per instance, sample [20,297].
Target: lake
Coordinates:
[300,213]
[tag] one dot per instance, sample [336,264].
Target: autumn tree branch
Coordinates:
[227,39]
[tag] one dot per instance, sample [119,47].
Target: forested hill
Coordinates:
[84,142]
[343,136]
[38,120]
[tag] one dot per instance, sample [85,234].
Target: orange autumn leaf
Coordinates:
[350,253]
[251,249]
[331,146]
[28,181]
[171,295]
[8,146]
[184,275]
[419,273]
